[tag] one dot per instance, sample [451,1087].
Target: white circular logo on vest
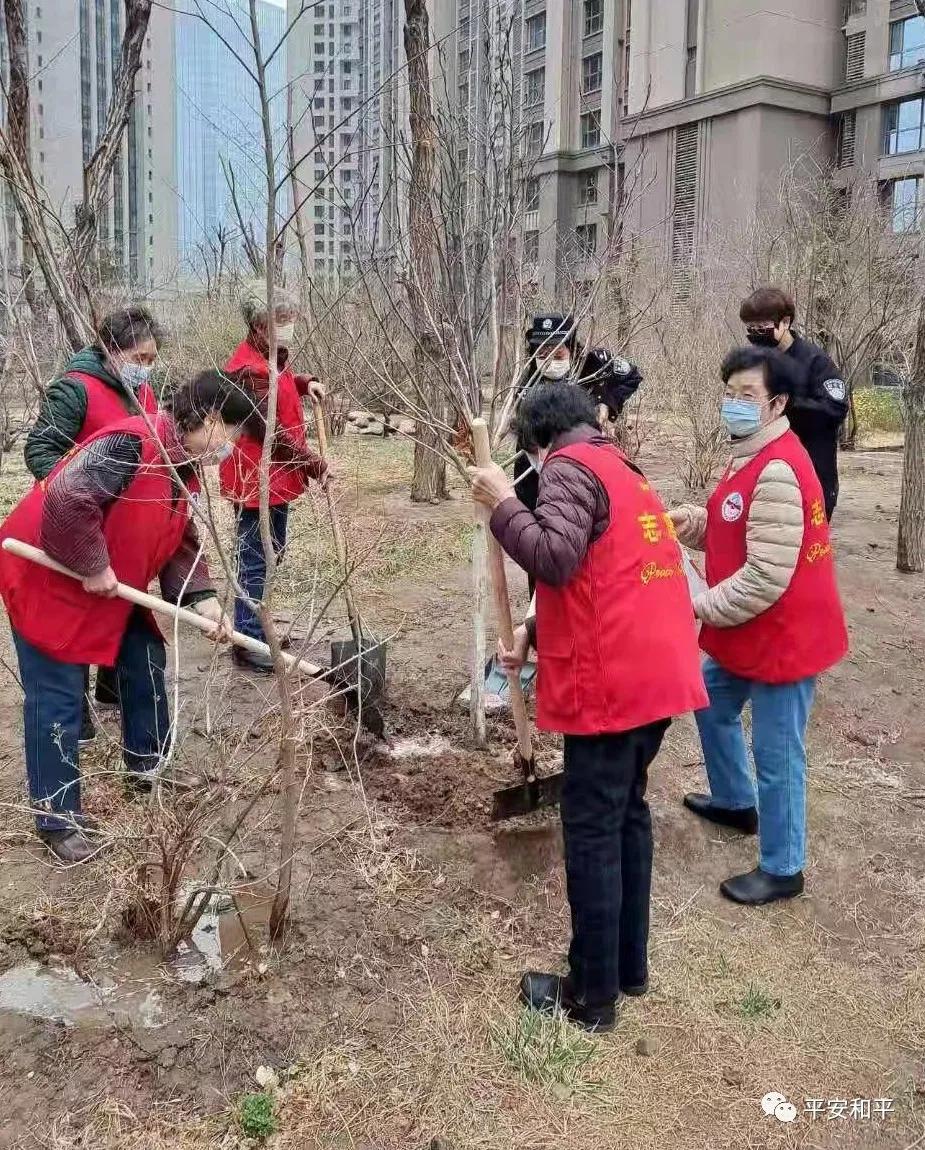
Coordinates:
[733,507]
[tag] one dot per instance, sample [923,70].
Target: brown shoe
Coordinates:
[69,846]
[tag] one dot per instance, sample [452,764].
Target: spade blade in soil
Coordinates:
[531,795]
[365,695]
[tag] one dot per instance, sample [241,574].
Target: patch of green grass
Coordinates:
[757,1003]
[545,1049]
[256,1115]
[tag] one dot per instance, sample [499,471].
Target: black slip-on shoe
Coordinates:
[744,819]
[758,887]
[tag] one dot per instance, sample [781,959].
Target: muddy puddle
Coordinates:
[59,994]
[130,989]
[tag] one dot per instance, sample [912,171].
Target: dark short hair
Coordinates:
[124,329]
[780,375]
[768,305]
[550,409]
[212,392]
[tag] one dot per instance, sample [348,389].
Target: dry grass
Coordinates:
[821,998]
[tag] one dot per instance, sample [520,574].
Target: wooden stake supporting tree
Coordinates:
[503,617]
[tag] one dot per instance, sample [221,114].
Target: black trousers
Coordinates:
[608,858]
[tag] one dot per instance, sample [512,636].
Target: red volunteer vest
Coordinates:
[239,474]
[617,644]
[106,406]
[143,529]
[804,632]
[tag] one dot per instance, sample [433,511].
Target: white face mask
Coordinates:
[216,455]
[284,334]
[554,368]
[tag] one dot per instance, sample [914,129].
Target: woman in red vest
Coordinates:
[114,511]
[293,461]
[101,384]
[617,654]
[772,622]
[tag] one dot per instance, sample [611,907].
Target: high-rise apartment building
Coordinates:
[567,66]
[725,94]
[324,56]
[74,48]
[221,167]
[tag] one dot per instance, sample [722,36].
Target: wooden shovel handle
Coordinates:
[157,605]
[340,543]
[503,618]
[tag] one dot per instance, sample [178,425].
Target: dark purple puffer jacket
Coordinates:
[572,511]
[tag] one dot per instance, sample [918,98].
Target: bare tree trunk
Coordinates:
[910,547]
[298,223]
[428,484]
[279,911]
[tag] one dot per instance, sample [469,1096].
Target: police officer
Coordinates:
[554,354]
[820,405]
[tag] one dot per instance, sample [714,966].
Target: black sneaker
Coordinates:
[551,992]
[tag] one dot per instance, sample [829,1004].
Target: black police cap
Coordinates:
[551,329]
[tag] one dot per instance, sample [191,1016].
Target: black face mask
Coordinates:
[762,337]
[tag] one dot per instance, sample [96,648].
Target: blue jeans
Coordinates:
[252,567]
[780,713]
[54,694]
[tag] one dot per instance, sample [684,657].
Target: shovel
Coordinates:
[162,607]
[534,791]
[358,667]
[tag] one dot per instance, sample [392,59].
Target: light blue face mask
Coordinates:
[742,417]
[133,375]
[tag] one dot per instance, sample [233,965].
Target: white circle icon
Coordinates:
[770,1102]
[785,1112]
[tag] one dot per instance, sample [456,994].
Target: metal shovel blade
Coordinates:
[362,679]
[529,796]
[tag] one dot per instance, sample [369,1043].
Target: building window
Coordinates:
[591,129]
[531,247]
[907,43]
[534,139]
[586,238]
[532,194]
[534,87]
[588,190]
[536,32]
[594,16]
[592,70]
[903,127]
[905,204]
